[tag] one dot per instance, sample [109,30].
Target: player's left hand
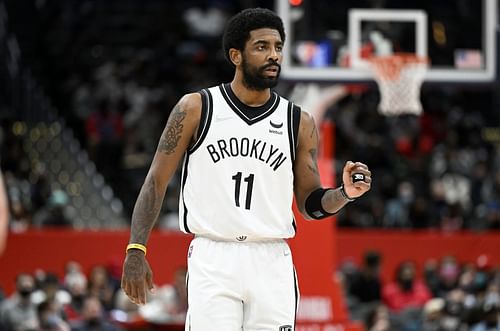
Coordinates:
[137,277]
[357,179]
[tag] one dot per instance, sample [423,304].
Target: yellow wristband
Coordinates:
[137,246]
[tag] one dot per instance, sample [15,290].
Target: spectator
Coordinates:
[20,214]
[431,276]
[18,313]
[126,312]
[76,283]
[50,290]
[490,194]
[466,279]
[378,319]
[105,135]
[490,313]
[93,317]
[40,189]
[114,270]
[407,291]
[396,212]
[432,315]
[169,305]
[449,272]
[72,270]
[454,310]
[100,286]
[50,318]
[365,285]
[420,213]
[55,213]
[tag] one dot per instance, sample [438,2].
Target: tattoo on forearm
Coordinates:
[135,267]
[337,197]
[313,131]
[313,166]
[145,212]
[334,201]
[172,133]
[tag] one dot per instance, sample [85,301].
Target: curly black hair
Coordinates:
[238,27]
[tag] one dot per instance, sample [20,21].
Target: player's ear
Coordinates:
[235,56]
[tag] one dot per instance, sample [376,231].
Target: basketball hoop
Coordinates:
[399,78]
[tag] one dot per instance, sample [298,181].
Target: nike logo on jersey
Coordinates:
[276,126]
[222,118]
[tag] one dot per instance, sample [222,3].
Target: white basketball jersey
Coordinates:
[237,178]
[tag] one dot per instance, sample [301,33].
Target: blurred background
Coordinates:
[86,87]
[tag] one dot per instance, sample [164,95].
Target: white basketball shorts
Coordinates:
[234,286]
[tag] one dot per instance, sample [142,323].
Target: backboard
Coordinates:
[328,40]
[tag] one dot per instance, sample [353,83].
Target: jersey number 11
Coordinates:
[237,189]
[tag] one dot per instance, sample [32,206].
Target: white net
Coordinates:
[399,78]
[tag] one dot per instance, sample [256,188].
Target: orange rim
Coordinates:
[389,67]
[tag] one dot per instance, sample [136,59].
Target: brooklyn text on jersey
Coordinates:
[253,148]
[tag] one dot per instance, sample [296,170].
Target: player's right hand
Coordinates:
[137,277]
[355,189]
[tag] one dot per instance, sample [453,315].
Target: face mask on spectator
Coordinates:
[25,292]
[93,322]
[406,284]
[454,308]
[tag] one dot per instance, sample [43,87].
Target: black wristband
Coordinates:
[344,194]
[313,205]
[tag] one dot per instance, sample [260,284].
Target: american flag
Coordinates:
[468,59]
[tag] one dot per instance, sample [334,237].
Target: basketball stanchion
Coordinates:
[399,77]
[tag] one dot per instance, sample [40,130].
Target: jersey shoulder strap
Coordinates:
[205,118]
[293,127]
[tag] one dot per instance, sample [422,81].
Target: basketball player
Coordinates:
[246,152]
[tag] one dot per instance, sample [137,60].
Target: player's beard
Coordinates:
[256,78]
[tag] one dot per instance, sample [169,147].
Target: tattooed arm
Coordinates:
[306,173]
[175,139]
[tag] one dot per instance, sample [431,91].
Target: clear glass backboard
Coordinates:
[330,40]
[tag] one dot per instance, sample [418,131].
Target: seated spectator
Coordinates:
[431,276]
[466,279]
[76,284]
[50,318]
[94,317]
[378,319]
[72,270]
[51,290]
[365,285]
[432,315]
[406,291]
[114,269]
[169,305]
[20,216]
[55,212]
[490,320]
[100,286]
[449,272]
[18,313]
[105,139]
[454,311]
[126,312]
